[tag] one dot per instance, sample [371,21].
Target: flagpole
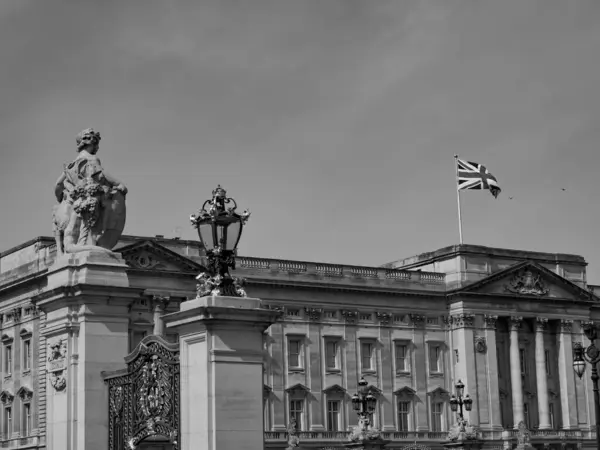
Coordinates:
[458,201]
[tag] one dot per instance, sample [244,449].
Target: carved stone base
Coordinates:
[371,444]
[471,444]
[89,267]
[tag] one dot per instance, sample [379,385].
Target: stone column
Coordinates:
[495,421]
[221,342]
[540,373]
[566,376]
[160,305]
[466,368]
[515,371]
[86,304]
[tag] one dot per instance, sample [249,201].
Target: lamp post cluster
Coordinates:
[219,228]
[363,402]
[458,401]
[590,354]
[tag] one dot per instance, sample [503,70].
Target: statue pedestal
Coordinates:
[371,444]
[467,444]
[83,332]
[88,267]
[221,365]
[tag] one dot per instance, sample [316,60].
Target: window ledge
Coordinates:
[296,370]
[369,371]
[436,374]
[403,373]
[26,372]
[332,371]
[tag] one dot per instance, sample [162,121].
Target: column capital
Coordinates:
[515,322]
[464,320]
[566,326]
[490,321]
[541,323]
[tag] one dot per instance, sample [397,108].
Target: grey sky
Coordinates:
[335,121]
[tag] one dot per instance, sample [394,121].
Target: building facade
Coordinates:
[502,321]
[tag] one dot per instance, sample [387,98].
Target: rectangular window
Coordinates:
[402,358]
[547,361]
[435,356]
[333,415]
[526,415]
[436,416]
[8,422]
[294,353]
[7,359]
[498,361]
[296,408]
[502,422]
[366,355]
[332,354]
[403,415]
[26,354]
[551,410]
[522,361]
[26,427]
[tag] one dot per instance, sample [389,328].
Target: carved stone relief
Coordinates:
[57,365]
[525,282]
[480,344]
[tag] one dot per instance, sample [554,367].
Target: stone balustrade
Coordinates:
[338,274]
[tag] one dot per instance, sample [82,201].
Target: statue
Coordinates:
[90,214]
[293,439]
[462,431]
[523,436]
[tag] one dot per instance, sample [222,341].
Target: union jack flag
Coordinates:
[475,176]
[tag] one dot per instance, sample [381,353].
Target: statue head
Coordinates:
[87,138]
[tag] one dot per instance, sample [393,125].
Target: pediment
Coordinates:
[150,256]
[438,392]
[530,280]
[298,388]
[334,389]
[405,391]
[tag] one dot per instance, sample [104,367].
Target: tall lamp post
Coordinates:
[219,228]
[591,354]
[363,402]
[458,401]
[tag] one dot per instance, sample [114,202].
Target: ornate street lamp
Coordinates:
[458,401]
[219,228]
[364,403]
[591,354]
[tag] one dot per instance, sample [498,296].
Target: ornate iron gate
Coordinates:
[144,399]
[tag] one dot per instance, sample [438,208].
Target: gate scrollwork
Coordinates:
[144,399]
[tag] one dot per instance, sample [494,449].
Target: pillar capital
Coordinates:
[541,323]
[490,321]
[566,326]
[463,320]
[515,322]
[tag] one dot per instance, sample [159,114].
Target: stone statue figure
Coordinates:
[90,214]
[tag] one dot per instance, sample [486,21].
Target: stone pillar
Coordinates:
[566,376]
[466,368]
[540,373]
[495,421]
[221,341]
[86,304]
[160,305]
[515,371]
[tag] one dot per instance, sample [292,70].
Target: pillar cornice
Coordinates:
[515,322]
[463,320]
[541,323]
[566,326]
[490,321]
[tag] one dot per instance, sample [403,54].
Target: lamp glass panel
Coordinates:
[579,367]
[220,230]
[233,234]
[206,235]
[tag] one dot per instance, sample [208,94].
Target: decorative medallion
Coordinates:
[384,318]
[480,344]
[350,316]
[58,381]
[417,319]
[142,260]
[313,314]
[527,283]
